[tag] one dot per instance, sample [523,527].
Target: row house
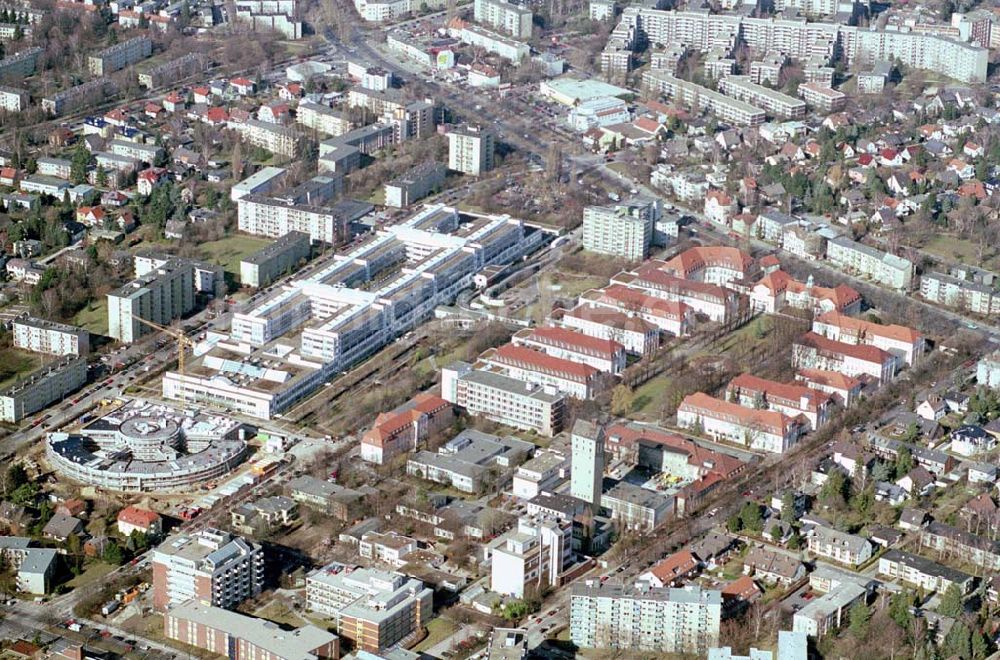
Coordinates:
[954,543]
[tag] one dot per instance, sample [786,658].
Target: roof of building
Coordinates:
[704,404]
[298,644]
[571,340]
[133,515]
[861,328]
[527,358]
[675,566]
[695,259]
[862,352]
[791,394]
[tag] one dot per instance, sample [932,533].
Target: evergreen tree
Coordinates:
[859,616]
[951,602]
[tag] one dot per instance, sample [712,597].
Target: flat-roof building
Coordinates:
[270,262]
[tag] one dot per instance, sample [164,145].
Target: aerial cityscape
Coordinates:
[499,329]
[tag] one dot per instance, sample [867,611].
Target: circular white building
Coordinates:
[144,446]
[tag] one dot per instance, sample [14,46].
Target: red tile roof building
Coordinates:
[903,342]
[637,335]
[726,266]
[814,351]
[604,354]
[530,366]
[778,289]
[788,398]
[402,430]
[715,302]
[670,316]
[668,572]
[763,430]
[133,519]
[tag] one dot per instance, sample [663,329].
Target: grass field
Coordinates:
[15,363]
[952,248]
[94,317]
[437,630]
[228,251]
[95,572]
[649,396]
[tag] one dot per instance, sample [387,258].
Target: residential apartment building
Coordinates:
[641,618]
[636,508]
[924,573]
[859,259]
[773,102]
[374,609]
[789,398]
[725,107]
[622,230]
[390,548]
[240,637]
[42,336]
[72,99]
[960,293]
[209,566]
[470,150]
[543,472]
[162,295]
[763,430]
[278,139]
[276,217]
[839,546]
[57,167]
[46,385]
[988,370]
[146,153]
[828,612]
[416,183]
[905,343]
[13,99]
[493,42]
[344,504]
[117,57]
[533,555]
[822,97]
[20,65]
[173,71]
[274,260]
[814,351]
[603,354]
[961,545]
[512,19]
[322,118]
[503,399]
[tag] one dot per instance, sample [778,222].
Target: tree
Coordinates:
[900,609]
[113,553]
[904,462]
[859,616]
[734,524]
[776,533]
[835,490]
[751,518]
[958,642]
[788,507]
[622,399]
[951,602]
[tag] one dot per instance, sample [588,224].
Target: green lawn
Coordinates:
[378,197]
[94,317]
[15,363]
[94,572]
[438,630]
[649,396]
[230,250]
[952,248]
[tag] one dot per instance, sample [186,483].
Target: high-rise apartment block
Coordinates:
[210,566]
[117,57]
[621,230]
[161,295]
[587,470]
[531,556]
[513,19]
[644,618]
[42,336]
[470,150]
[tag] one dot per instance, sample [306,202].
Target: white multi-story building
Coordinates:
[492,42]
[822,97]
[886,269]
[772,101]
[415,183]
[725,107]
[272,217]
[527,365]
[543,472]
[12,99]
[42,336]
[595,113]
[470,150]
[622,230]
[170,72]
[269,263]
[988,371]
[839,546]
[813,351]
[375,609]
[277,139]
[905,343]
[603,354]
[322,118]
[42,387]
[211,566]
[763,430]
[161,295]
[642,618]
[638,336]
[514,20]
[960,293]
[117,57]
[532,555]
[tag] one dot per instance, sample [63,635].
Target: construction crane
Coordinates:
[183,343]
